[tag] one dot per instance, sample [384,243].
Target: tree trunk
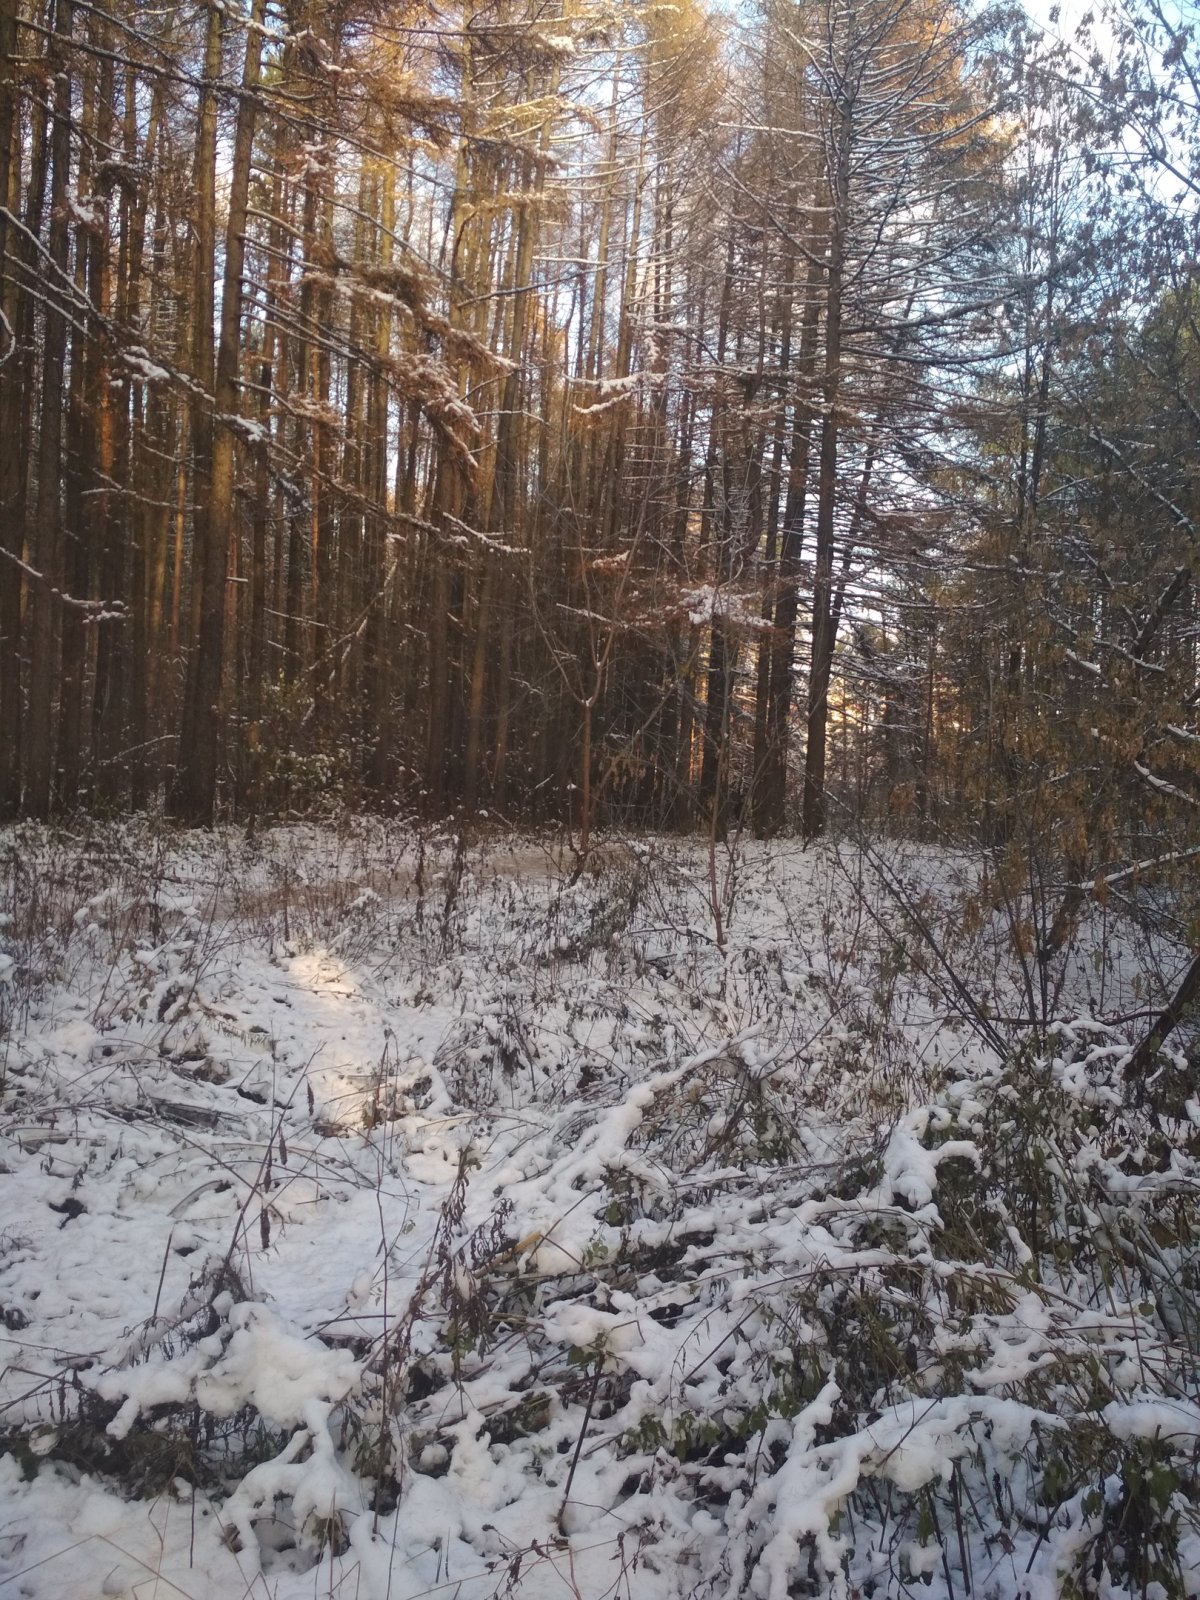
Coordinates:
[814,808]
[771,786]
[187,799]
[197,783]
[43,665]
[716,711]
[88,409]
[12,465]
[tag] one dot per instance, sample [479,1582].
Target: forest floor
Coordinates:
[390,1214]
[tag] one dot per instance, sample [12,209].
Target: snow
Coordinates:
[610,392]
[391,1213]
[736,610]
[1151,1416]
[557,43]
[283,1377]
[139,363]
[911,1168]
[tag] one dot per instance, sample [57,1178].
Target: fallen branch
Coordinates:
[1176,1009]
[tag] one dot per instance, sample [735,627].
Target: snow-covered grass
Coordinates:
[393,1213]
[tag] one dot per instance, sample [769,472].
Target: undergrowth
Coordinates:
[695,1251]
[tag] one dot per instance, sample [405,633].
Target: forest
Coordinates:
[642,415]
[599,800]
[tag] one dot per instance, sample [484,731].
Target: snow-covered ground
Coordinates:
[388,1214]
